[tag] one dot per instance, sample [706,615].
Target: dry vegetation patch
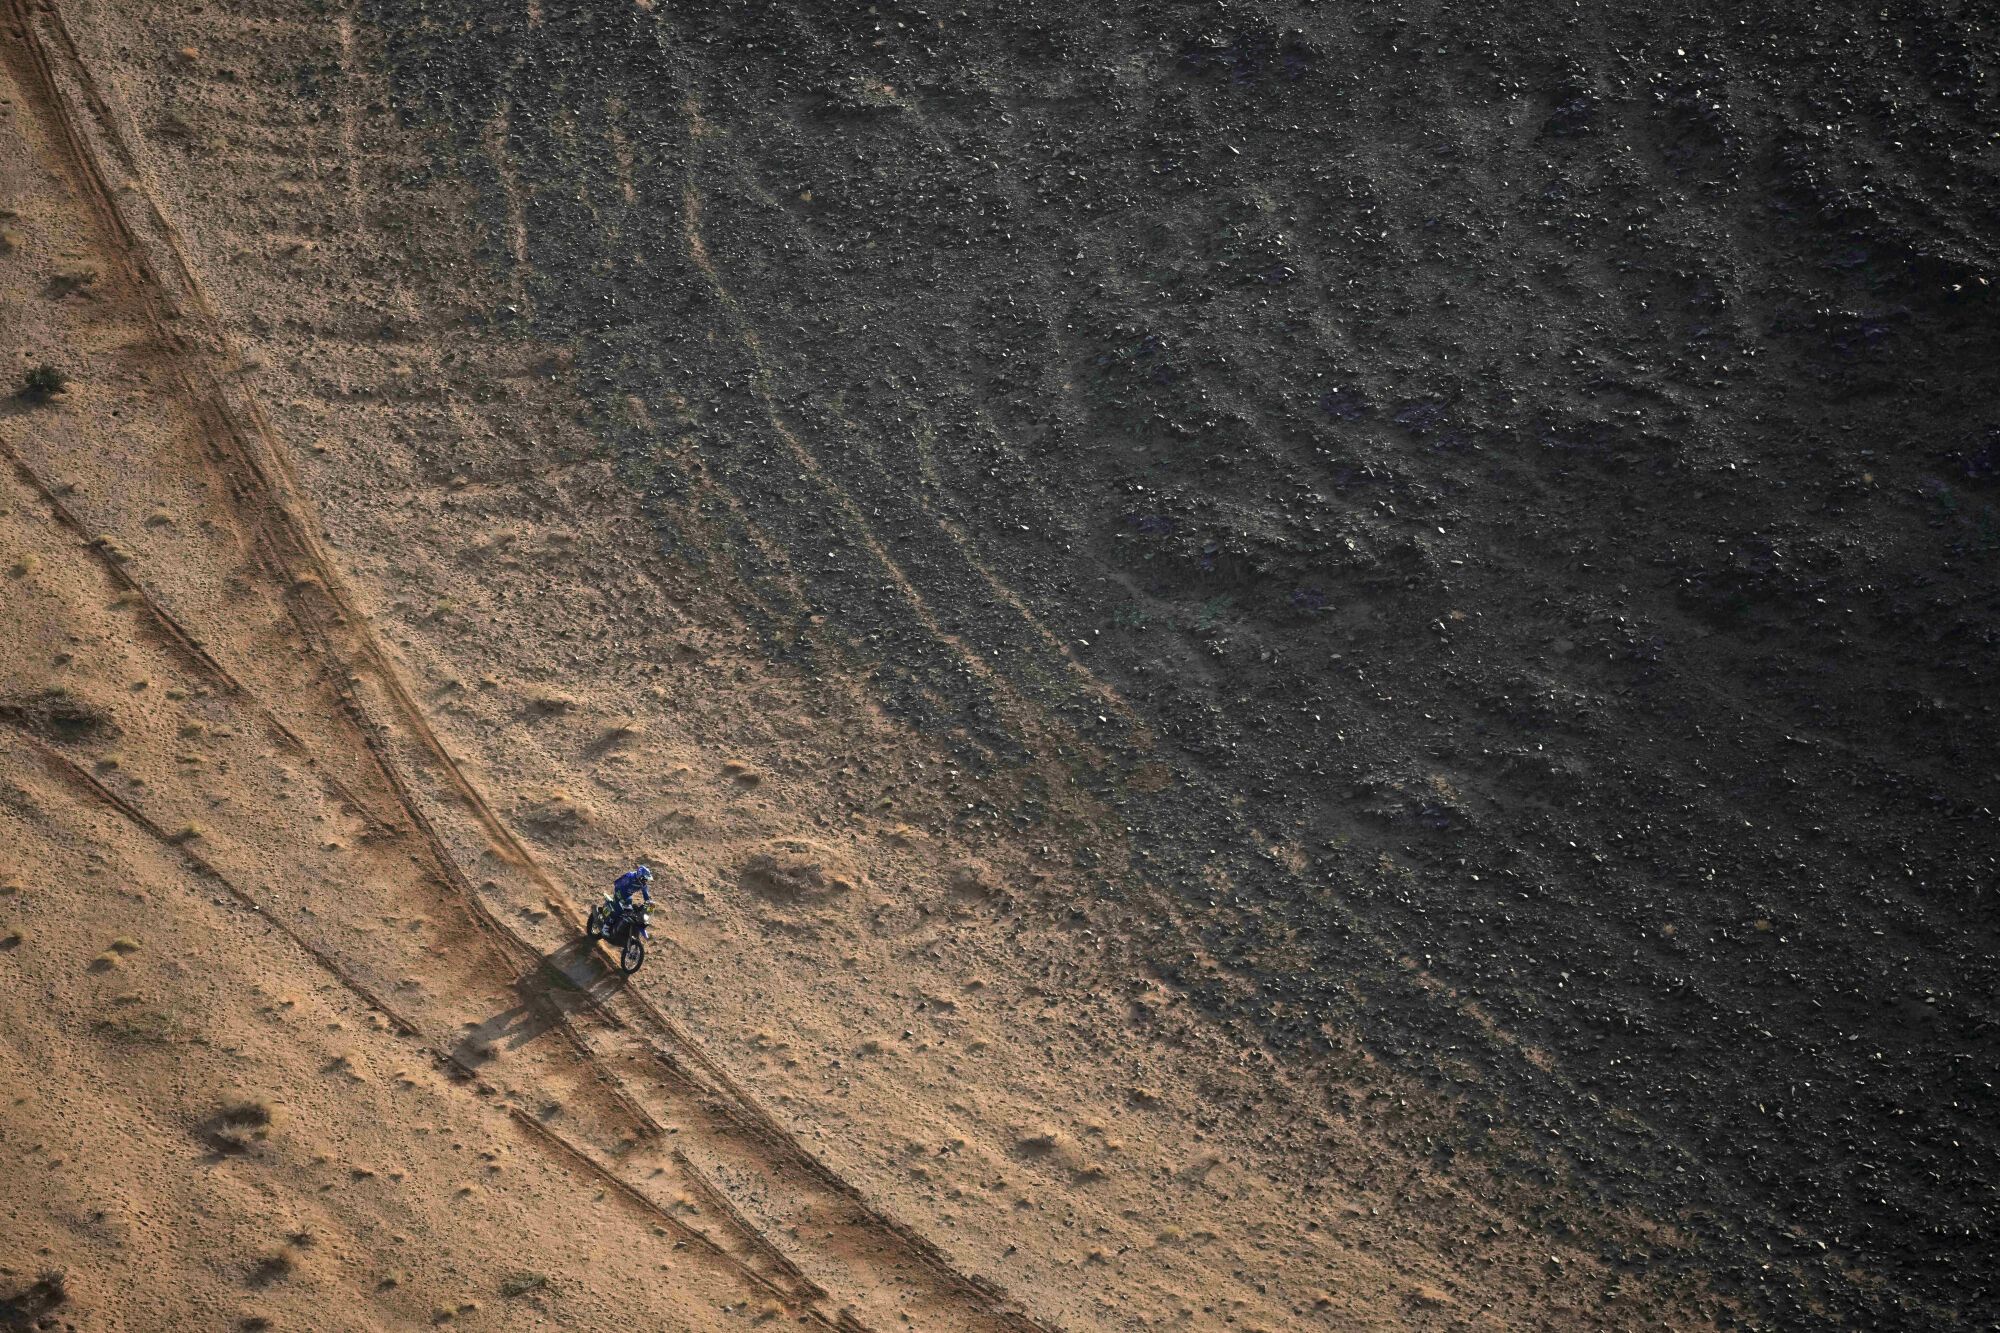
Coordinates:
[237,1127]
[57,714]
[28,1304]
[794,870]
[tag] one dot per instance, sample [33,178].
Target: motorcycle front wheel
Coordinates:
[633,955]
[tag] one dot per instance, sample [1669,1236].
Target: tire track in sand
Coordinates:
[262,482]
[460,1071]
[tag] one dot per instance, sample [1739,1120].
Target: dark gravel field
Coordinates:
[1496,504]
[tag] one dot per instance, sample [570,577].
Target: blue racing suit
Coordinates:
[629,883]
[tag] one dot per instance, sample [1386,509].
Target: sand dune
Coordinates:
[364,618]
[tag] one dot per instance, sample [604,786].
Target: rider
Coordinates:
[639,880]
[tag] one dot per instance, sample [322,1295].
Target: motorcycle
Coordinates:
[625,931]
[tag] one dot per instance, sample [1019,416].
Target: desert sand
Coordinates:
[498,447]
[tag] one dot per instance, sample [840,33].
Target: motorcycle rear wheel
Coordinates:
[595,926]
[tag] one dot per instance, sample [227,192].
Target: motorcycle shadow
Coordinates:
[569,978]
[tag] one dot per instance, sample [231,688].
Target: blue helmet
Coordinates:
[643,871]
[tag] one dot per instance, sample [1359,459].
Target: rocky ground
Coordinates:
[1522,480]
[1440,557]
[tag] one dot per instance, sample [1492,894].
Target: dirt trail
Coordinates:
[789,1227]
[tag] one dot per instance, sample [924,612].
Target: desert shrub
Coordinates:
[25,1307]
[254,1114]
[236,1128]
[43,382]
[271,1268]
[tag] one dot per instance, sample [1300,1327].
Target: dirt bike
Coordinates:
[625,931]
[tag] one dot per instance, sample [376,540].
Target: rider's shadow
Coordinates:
[578,972]
[560,981]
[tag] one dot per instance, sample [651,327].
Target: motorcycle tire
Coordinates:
[595,926]
[633,954]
